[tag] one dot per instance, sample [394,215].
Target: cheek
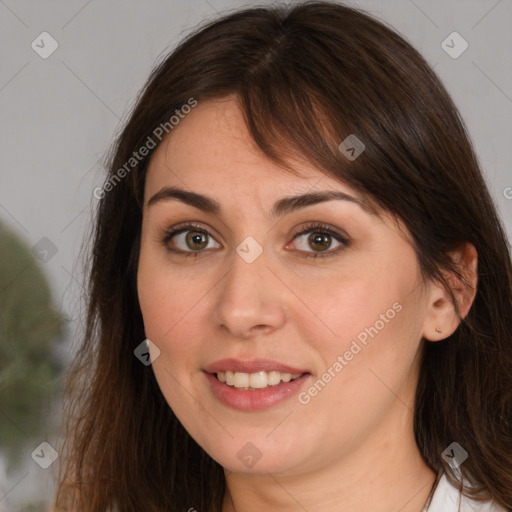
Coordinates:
[162,306]
[371,325]
[175,319]
[364,301]
[168,312]
[165,299]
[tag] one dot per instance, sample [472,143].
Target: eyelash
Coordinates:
[313,227]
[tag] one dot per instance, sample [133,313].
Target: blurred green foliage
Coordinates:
[30,327]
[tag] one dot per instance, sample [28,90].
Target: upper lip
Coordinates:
[253,366]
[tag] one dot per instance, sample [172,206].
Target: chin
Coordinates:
[255,458]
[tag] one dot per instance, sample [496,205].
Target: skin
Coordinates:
[352,446]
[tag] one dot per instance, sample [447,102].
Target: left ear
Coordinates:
[442,319]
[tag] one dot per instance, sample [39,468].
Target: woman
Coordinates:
[300,291]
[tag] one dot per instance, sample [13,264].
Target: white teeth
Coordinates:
[258,380]
[241,380]
[274,378]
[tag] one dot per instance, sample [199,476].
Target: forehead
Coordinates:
[211,150]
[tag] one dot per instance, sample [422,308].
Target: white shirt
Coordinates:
[447,498]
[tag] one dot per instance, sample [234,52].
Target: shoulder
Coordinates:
[448,498]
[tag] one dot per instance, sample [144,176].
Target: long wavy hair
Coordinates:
[306,76]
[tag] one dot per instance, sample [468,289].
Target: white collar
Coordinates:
[448,498]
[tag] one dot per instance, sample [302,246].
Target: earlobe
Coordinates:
[443,317]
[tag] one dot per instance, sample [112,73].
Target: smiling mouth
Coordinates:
[257,380]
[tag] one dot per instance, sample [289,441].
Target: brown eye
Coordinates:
[196,240]
[319,240]
[189,239]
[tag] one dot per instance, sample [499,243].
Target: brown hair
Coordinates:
[306,77]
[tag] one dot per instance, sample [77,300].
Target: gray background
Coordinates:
[60,114]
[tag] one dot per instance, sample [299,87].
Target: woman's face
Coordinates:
[242,284]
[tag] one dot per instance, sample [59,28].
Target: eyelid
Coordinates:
[320,226]
[187,226]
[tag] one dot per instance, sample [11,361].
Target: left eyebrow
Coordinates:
[289,204]
[280,208]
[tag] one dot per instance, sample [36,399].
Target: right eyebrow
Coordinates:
[205,203]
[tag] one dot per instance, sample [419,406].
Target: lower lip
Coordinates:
[255,399]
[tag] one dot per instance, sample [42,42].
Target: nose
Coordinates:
[250,299]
